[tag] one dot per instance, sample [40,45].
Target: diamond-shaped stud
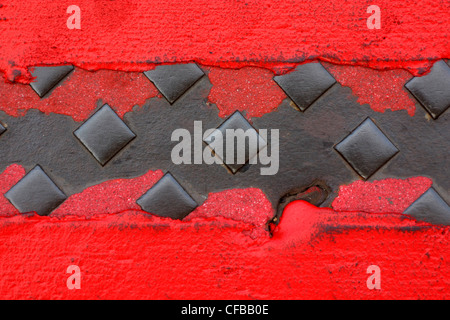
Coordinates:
[174,80]
[247,142]
[430,207]
[366,149]
[433,90]
[2,129]
[48,77]
[167,198]
[36,192]
[104,134]
[305,84]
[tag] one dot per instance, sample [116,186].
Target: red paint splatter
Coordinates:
[250,89]
[78,94]
[389,195]
[381,90]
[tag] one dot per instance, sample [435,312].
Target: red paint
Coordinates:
[108,197]
[248,89]
[8,179]
[247,205]
[314,253]
[118,195]
[129,35]
[78,94]
[223,249]
[381,89]
[389,195]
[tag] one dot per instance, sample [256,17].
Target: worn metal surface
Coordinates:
[307,145]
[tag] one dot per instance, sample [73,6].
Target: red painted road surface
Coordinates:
[314,253]
[132,35]
[223,249]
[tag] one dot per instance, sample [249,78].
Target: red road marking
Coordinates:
[315,253]
[124,35]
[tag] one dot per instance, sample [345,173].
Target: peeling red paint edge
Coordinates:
[119,195]
[249,89]
[248,205]
[418,68]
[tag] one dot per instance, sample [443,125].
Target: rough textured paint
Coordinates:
[8,179]
[223,247]
[380,89]
[79,93]
[314,253]
[248,89]
[389,195]
[247,205]
[108,197]
[114,196]
[132,35]
[222,252]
